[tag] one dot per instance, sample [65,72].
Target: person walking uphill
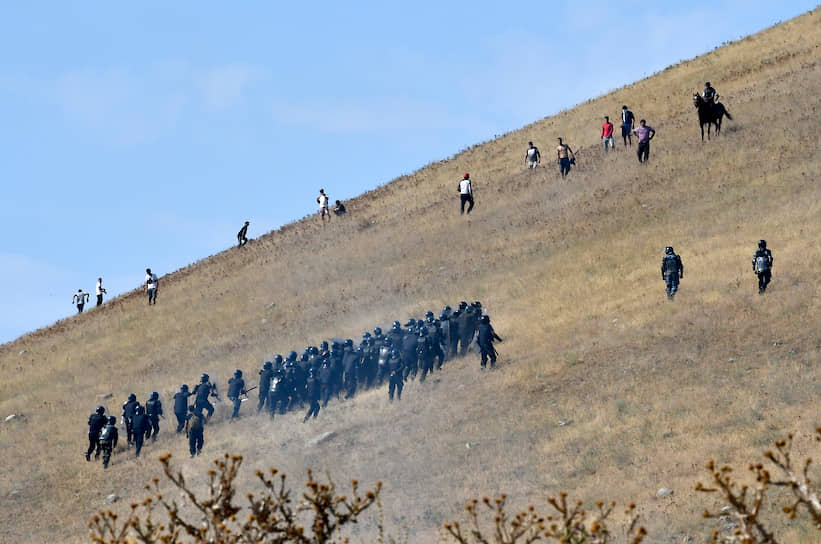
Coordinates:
[645,134]
[194,431]
[242,237]
[671,271]
[485,337]
[96,422]
[80,298]
[466,193]
[607,134]
[763,266]
[151,286]
[565,157]
[532,156]
[100,291]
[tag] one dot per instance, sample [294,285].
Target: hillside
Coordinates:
[569,272]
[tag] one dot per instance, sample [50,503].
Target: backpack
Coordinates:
[762,263]
[670,266]
[107,434]
[195,423]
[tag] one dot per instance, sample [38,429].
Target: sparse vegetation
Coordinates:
[563,267]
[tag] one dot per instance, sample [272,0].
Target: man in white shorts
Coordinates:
[532,156]
[151,286]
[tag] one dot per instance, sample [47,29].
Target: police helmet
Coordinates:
[707,84]
[428,314]
[485,319]
[154,395]
[366,335]
[463,305]
[447,310]
[348,343]
[423,331]
[396,325]
[112,420]
[101,410]
[411,323]
[132,397]
[292,356]
[388,342]
[304,356]
[762,244]
[443,317]
[668,250]
[138,409]
[324,345]
[238,373]
[184,387]
[204,378]
[313,350]
[477,304]
[377,331]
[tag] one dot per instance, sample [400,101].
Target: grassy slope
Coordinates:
[569,271]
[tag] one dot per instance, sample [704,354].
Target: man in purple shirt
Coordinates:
[645,134]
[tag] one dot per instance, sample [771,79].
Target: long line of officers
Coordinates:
[334,369]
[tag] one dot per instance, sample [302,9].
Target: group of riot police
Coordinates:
[332,370]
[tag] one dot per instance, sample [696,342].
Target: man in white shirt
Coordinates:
[100,290]
[80,298]
[466,193]
[151,286]
[322,200]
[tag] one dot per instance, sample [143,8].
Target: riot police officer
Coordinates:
[140,427]
[153,409]
[236,388]
[424,352]
[265,375]
[277,392]
[96,422]
[202,391]
[351,358]
[484,337]
[312,391]
[763,266]
[396,375]
[107,440]
[671,271]
[181,406]
[127,417]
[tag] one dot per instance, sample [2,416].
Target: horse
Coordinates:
[710,114]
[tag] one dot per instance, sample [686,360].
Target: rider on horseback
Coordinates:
[710,94]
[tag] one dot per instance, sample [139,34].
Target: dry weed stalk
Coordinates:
[273,517]
[745,503]
[573,525]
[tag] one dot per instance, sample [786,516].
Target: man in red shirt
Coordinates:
[607,134]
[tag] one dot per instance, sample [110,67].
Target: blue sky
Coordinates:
[143,134]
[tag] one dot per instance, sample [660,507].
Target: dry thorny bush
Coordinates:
[745,503]
[274,517]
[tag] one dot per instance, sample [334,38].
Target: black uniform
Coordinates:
[425,353]
[107,440]
[410,357]
[236,388]
[141,425]
[396,375]
[264,383]
[326,382]
[153,409]
[763,267]
[181,406]
[96,422]
[382,361]
[671,271]
[312,392]
[278,392]
[485,337]
[467,327]
[453,333]
[128,415]
[194,431]
[202,391]
[351,359]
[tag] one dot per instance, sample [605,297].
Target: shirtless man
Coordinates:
[564,155]
[322,200]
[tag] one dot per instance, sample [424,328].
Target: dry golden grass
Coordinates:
[568,270]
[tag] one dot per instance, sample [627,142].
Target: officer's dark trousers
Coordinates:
[129,431]
[488,351]
[154,429]
[207,406]
[764,280]
[195,441]
[180,420]
[427,366]
[138,442]
[106,448]
[313,410]
[237,403]
[93,444]
[396,383]
[262,399]
[671,279]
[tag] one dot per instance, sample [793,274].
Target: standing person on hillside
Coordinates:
[140,427]
[645,134]
[127,417]
[236,388]
[763,266]
[671,271]
[80,298]
[465,194]
[181,406]
[322,200]
[152,284]
[96,422]
[265,375]
[627,120]
[485,337]
[532,156]
[242,239]
[565,157]
[194,431]
[99,290]
[607,134]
